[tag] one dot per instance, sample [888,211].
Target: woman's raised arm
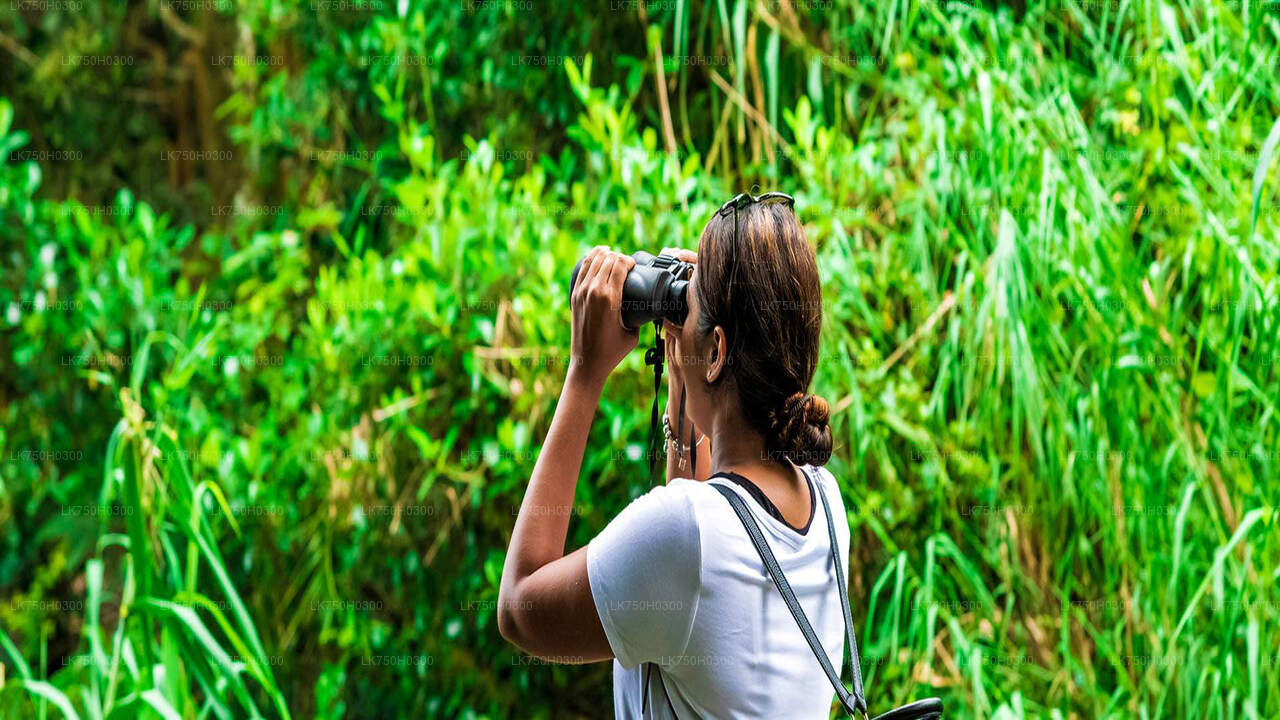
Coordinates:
[544,602]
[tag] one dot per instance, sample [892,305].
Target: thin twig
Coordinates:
[18,50]
[717,139]
[797,37]
[176,24]
[755,114]
[948,302]
[668,131]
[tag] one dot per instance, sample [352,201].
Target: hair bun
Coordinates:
[799,430]
[816,411]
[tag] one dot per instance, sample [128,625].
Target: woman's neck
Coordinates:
[738,447]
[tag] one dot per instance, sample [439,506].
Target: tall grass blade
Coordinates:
[1260,172]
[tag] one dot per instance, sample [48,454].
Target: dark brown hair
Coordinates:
[762,288]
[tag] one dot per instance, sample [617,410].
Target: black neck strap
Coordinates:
[653,356]
[693,447]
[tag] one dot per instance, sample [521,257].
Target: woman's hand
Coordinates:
[599,340]
[675,378]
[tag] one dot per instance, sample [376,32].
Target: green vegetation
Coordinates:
[283,318]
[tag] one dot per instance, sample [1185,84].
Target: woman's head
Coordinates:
[751,339]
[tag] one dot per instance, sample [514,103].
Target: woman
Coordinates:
[673,588]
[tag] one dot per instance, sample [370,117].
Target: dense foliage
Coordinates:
[283,318]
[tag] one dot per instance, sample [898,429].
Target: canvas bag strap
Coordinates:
[853,704]
[855,660]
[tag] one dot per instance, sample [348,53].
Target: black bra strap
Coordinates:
[853,702]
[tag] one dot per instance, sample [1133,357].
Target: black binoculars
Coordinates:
[656,289]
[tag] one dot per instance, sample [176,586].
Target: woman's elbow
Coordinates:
[508,615]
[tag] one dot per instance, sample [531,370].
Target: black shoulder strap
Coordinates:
[853,702]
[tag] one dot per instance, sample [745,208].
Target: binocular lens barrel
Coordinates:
[652,291]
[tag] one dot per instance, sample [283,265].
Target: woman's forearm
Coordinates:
[543,522]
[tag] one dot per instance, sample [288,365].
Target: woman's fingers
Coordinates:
[592,266]
[602,283]
[584,275]
[682,254]
[617,277]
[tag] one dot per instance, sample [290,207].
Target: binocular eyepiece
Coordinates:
[657,288]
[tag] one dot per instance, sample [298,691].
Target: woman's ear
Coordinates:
[719,351]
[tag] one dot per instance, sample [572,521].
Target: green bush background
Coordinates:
[283,319]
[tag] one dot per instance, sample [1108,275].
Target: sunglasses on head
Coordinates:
[742,200]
